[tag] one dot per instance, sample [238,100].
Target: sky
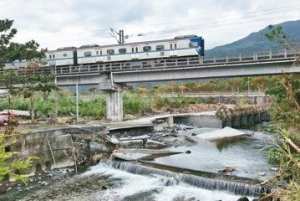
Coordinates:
[64,23]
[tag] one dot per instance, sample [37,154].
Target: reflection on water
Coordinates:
[247,155]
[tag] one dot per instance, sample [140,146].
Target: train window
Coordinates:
[175,46]
[171,46]
[97,52]
[65,55]
[193,44]
[147,48]
[160,47]
[110,51]
[136,49]
[122,50]
[132,50]
[88,54]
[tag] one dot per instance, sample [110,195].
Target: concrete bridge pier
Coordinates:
[236,122]
[227,122]
[244,121]
[114,103]
[268,116]
[170,121]
[263,116]
[257,118]
[250,119]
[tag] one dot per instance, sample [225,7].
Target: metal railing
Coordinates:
[166,63]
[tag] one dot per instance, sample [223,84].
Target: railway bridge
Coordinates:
[111,77]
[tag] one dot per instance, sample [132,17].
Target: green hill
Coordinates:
[256,41]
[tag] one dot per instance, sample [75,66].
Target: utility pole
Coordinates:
[119,36]
[248,86]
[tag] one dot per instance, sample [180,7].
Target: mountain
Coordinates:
[256,41]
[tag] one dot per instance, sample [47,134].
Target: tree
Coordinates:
[11,51]
[235,82]
[182,87]
[286,114]
[27,81]
[259,82]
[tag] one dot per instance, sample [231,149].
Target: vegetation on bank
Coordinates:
[286,115]
[29,84]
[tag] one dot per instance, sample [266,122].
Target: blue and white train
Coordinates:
[180,46]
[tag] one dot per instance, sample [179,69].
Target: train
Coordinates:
[179,46]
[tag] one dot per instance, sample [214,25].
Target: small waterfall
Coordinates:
[201,182]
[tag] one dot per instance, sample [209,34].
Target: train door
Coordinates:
[134,52]
[173,49]
[99,57]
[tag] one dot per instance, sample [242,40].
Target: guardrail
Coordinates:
[165,63]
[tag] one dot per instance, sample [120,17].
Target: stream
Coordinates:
[195,175]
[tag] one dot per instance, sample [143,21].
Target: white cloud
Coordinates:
[59,23]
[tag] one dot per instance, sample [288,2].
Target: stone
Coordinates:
[104,187]
[243,199]
[9,188]
[226,170]
[274,168]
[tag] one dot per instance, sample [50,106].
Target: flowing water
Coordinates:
[149,184]
[135,182]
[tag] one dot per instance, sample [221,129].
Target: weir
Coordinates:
[237,188]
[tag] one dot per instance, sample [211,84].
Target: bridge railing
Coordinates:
[171,62]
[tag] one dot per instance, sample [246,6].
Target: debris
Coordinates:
[226,170]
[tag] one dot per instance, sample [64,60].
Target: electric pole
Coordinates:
[119,36]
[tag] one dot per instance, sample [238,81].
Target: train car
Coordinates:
[16,64]
[88,54]
[189,45]
[180,46]
[62,56]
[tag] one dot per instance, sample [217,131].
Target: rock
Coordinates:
[113,140]
[96,158]
[243,199]
[188,152]
[261,173]
[226,170]
[274,168]
[44,183]
[104,187]
[9,188]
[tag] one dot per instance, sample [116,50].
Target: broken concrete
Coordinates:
[141,154]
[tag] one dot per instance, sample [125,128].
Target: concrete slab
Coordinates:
[141,154]
[226,132]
